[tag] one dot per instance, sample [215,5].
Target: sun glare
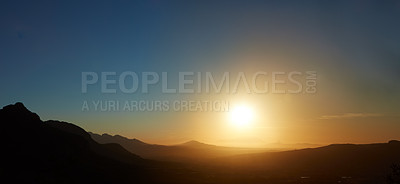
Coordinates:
[241,116]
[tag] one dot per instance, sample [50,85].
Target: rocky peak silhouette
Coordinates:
[18,113]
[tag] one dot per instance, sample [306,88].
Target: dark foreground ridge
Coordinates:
[34,151]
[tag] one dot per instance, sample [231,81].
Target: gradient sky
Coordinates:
[353,45]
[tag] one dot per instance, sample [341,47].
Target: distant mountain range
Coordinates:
[36,151]
[285,146]
[341,160]
[188,151]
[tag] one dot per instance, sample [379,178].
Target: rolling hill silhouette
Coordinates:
[368,163]
[36,151]
[191,151]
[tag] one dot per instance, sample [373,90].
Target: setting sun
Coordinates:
[241,116]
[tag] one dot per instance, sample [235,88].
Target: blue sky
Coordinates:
[45,45]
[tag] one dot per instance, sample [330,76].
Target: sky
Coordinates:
[352,45]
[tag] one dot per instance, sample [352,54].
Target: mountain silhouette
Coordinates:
[351,163]
[34,151]
[196,144]
[191,151]
[111,150]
